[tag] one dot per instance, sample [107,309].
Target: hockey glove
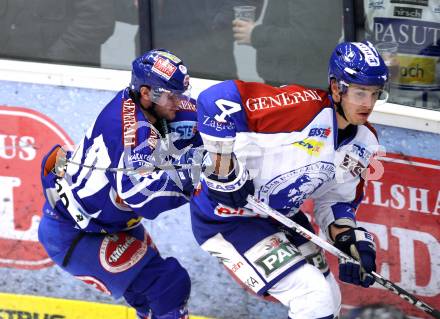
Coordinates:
[190,177]
[233,189]
[359,244]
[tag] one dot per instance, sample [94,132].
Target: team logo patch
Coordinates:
[351,165]
[288,191]
[164,68]
[311,146]
[119,252]
[95,283]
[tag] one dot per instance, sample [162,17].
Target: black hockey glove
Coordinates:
[359,244]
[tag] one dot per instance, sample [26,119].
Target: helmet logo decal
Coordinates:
[371,57]
[169,56]
[164,68]
[350,71]
[186,81]
[183,69]
[349,57]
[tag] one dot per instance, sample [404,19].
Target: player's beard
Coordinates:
[167,112]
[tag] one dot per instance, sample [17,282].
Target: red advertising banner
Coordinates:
[25,137]
[402,210]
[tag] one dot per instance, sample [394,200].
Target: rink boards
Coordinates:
[33,307]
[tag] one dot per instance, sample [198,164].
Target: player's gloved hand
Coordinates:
[190,176]
[231,190]
[193,156]
[359,244]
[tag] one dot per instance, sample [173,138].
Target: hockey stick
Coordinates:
[140,170]
[264,209]
[62,161]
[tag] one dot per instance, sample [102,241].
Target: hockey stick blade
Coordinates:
[264,209]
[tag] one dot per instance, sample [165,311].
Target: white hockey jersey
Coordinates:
[287,138]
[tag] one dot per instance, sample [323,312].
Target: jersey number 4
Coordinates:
[227,108]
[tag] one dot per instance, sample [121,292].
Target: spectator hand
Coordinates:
[242,31]
[359,244]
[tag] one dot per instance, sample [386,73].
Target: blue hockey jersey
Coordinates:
[108,192]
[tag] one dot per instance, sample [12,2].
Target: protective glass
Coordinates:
[366,95]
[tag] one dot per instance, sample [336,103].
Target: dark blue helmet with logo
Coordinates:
[159,69]
[358,63]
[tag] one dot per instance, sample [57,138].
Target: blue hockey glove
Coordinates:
[231,190]
[190,177]
[359,244]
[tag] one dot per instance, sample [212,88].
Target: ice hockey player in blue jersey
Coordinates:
[96,198]
[284,145]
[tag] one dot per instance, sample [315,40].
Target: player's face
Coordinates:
[358,102]
[167,105]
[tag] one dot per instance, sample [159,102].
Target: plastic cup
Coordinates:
[388,51]
[246,13]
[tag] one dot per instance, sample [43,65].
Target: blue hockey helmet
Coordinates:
[357,63]
[159,69]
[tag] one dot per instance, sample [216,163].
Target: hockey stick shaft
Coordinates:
[264,209]
[142,169]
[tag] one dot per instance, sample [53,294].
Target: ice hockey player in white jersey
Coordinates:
[91,219]
[285,145]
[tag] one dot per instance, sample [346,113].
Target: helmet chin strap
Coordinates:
[338,105]
[160,124]
[340,110]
